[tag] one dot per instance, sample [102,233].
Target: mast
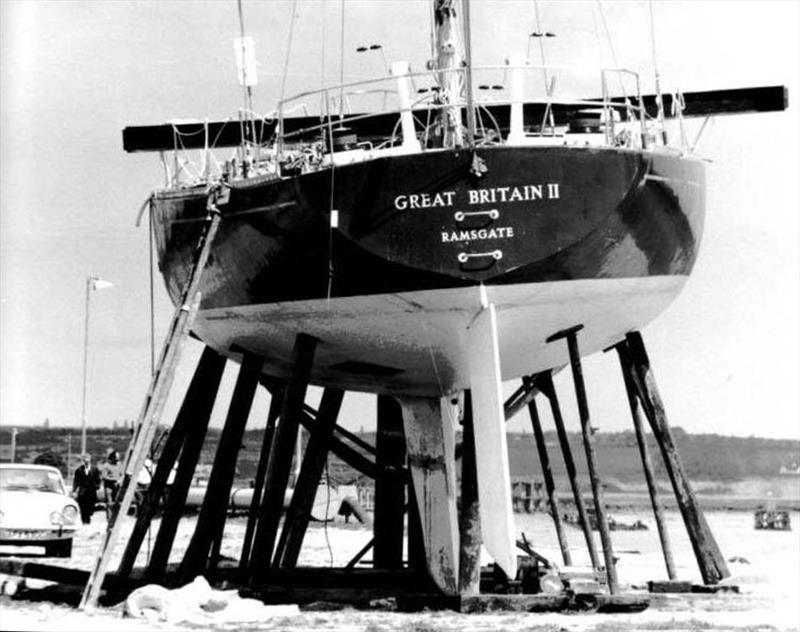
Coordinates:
[468,74]
[448,63]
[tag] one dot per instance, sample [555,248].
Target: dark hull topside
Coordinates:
[424,224]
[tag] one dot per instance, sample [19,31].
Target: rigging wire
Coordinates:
[341,71]
[288,51]
[611,48]
[322,62]
[541,47]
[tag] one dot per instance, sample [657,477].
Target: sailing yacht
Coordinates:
[433,243]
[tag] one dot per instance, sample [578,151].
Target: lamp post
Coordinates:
[92,283]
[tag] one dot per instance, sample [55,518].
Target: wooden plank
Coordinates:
[390,489]
[644,452]
[549,483]
[358,556]
[213,512]
[432,473]
[280,458]
[469,518]
[305,490]
[709,557]
[261,474]
[672,586]
[545,382]
[47,572]
[343,432]
[587,431]
[491,448]
[204,383]
[349,455]
[346,453]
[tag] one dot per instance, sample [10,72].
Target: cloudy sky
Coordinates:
[73,74]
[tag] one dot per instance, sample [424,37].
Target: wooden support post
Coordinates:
[545,382]
[571,335]
[709,558]
[349,455]
[261,474]
[549,484]
[430,442]
[307,484]
[280,458]
[658,511]
[198,401]
[469,518]
[187,463]
[176,500]
[390,487]
[211,520]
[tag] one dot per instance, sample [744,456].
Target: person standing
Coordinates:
[109,473]
[84,487]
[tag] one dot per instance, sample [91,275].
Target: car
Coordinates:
[35,509]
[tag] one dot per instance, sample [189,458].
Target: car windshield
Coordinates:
[25,479]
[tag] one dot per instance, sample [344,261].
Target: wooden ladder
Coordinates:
[155,399]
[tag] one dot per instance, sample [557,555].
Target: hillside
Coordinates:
[708,458]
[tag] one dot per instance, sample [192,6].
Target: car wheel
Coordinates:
[59,549]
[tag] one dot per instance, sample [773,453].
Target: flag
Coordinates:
[96,283]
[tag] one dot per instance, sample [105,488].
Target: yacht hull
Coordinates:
[420,244]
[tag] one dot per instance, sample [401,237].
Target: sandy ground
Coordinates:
[768,578]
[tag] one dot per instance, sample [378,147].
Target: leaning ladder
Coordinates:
[154,401]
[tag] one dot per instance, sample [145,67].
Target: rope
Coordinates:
[330,211]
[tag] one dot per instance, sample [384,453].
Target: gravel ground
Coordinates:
[767,572]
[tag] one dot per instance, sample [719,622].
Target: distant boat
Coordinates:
[613,523]
[772,519]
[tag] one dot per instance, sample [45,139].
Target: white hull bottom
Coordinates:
[417,343]
[423,346]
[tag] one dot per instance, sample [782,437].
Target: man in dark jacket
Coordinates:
[84,487]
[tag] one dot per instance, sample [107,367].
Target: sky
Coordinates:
[726,353]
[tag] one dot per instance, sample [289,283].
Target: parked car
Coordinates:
[35,509]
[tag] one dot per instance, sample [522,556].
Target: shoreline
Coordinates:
[638,501]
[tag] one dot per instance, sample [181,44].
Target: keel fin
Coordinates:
[491,448]
[430,442]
